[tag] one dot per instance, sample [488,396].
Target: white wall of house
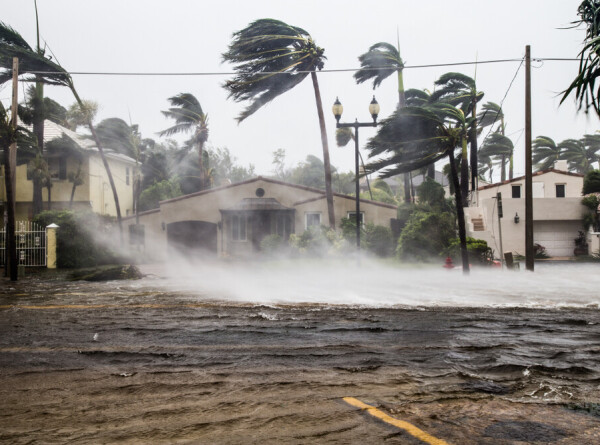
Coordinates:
[557,220]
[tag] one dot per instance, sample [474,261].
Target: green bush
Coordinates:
[479,251]
[425,236]
[82,238]
[591,182]
[379,240]
[159,191]
[273,245]
[590,219]
[318,241]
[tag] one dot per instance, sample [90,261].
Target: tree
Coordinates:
[378,63]
[545,153]
[579,157]
[189,117]
[497,146]
[460,90]
[591,182]
[271,57]
[414,137]
[584,84]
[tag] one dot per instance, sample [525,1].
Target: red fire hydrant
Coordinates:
[448,264]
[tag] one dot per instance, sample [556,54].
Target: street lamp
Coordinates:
[338,109]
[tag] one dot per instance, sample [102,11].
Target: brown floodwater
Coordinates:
[147,362]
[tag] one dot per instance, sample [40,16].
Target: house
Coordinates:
[232,220]
[557,212]
[95,193]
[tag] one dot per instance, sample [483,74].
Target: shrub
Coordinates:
[379,240]
[426,235]
[591,182]
[82,238]
[318,241]
[479,251]
[159,191]
[273,245]
[590,219]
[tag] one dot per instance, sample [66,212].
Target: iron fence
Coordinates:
[30,239]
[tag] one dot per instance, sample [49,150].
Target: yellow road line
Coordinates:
[408,427]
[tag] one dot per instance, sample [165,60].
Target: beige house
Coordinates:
[557,212]
[95,193]
[232,220]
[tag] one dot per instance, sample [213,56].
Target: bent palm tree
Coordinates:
[381,61]
[461,90]
[545,153]
[189,117]
[414,137]
[270,58]
[378,63]
[579,157]
[36,67]
[497,146]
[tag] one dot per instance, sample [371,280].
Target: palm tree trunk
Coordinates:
[510,166]
[464,174]
[326,162]
[401,95]
[473,141]
[406,187]
[49,186]
[104,161]
[38,131]
[460,214]
[503,169]
[201,165]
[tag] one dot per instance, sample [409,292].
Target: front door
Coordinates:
[261,227]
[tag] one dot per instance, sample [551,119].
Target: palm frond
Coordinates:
[270,58]
[379,62]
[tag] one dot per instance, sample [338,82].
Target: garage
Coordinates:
[558,237]
[192,238]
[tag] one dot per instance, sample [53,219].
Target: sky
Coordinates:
[188,36]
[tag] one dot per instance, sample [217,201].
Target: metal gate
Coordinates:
[30,239]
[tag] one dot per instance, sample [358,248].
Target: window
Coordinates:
[238,228]
[352,217]
[313,219]
[283,226]
[127,175]
[560,190]
[57,167]
[516,191]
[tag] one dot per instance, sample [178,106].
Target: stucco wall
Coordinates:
[100,195]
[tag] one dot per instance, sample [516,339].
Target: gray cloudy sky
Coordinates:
[189,36]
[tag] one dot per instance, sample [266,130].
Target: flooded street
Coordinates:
[182,361]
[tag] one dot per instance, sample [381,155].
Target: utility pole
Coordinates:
[529,254]
[10,158]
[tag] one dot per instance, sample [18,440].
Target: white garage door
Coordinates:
[558,237]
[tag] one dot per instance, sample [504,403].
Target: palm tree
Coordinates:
[584,85]
[189,117]
[579,157]
[378,63]
[270,58]
[414,137]
[461,90]
[31,63]
[592,145]
[498,146]
[545,152]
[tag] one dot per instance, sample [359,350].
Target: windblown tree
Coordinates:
[414,137]
[377,64]
[189,117]
[579,157]
[271,57]
[36,67]
[584,86]
[461,90]
[500,148]
[545,153]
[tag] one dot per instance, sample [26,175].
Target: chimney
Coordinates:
[561,165]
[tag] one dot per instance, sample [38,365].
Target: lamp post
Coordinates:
[338,109]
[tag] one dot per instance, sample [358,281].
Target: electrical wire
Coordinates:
[341,70]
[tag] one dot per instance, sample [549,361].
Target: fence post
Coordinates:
[51,246]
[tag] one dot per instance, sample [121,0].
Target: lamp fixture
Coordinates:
[517,219]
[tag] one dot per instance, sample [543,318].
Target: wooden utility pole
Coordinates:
[529,254]
[10,165]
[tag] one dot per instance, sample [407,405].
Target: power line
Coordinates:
[341,70]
